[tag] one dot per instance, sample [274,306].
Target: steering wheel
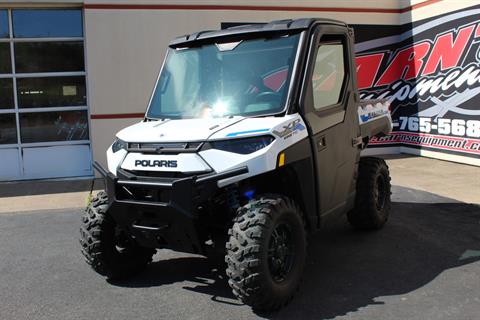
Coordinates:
[267,96]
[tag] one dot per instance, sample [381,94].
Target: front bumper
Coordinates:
[162,212]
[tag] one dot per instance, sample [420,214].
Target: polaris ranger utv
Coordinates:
[251,140]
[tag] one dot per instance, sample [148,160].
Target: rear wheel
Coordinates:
[372,203]
[266,252]
[109,250]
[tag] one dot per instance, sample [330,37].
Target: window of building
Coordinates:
[3,24]
[6,94]
[46,92]
[43,98]
[328,75]
[47,23]
[53,126]
[5,62]
[52,56]
[8,132]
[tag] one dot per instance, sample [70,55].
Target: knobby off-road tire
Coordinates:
[372,203]
[266,252]
[108,250]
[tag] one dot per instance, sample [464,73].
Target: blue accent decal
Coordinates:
[299,127]
[249,194]
[365,117]
[234,134]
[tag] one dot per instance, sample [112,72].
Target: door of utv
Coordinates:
[328,102]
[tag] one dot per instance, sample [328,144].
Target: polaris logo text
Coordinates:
[156,163]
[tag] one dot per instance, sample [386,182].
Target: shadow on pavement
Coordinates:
[204,273]
[42,187]
[349,269]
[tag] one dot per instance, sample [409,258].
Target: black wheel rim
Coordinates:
[281,252]
[380,192]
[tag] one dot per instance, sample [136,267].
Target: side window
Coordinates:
[328,75]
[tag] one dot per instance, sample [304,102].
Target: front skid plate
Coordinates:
[157,225]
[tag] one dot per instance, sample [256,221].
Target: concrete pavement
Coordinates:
[26,196]
[424,264]
[453,180]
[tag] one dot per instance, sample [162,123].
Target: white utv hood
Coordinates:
[179,130]
[286,130]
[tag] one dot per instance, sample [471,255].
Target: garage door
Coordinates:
[44,122]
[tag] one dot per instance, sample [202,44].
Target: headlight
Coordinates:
[243,146]
[119,145]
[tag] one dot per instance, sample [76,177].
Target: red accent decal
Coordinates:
[447,52]
[367,69]
[406,64]
[477,32]
[117,116]
[251,8]
[233,7]
[419,5]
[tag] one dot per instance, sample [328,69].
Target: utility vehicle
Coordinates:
[252,139]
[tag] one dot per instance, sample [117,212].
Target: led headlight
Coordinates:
[119,145]
[243,145]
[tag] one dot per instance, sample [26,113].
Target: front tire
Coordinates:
[106,248]
[266,252]
[372,203]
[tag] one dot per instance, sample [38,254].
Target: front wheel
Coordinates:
[109,250]
[266,252]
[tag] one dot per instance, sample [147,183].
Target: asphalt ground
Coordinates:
[425,264]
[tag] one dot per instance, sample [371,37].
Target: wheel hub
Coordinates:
[280,252]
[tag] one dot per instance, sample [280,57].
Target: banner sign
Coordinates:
[430,71]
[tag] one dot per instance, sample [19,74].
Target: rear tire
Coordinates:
[266,252]
[372,203]
[107,249]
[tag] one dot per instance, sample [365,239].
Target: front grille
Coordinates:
[157,174]
[162,148]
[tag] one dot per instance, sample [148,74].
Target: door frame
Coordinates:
[331,115]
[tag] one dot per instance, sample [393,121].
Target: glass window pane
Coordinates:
[5,62]
[8,128]
[41,23]
[246,78]
[51,92]
[3,24]
[53,126]
[6,94]
[328,75]
[49,56]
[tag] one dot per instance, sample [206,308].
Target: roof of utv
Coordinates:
[273,26]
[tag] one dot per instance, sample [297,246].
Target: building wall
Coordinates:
[126,42]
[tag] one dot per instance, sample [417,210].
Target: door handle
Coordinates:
[321,143]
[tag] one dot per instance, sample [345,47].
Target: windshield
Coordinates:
[246,78]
